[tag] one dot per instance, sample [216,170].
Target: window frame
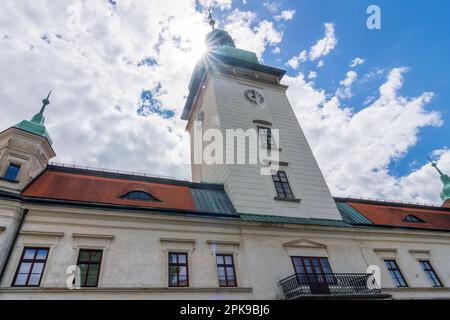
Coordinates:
[32,261]
[225,266]
[286,192]
[151,197]
[302,277]
[392,271]
[12,164]
[268,141]
[414,218]
[433,278]
[178,265]
[89,263]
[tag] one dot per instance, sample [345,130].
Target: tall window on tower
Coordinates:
[265,137]
[282,185]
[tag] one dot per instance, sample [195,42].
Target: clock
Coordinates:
[254,96]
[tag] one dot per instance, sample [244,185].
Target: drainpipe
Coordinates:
[13,244]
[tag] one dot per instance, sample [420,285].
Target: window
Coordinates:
[89,262]
[396,275]
[315,273]
[178,270]
[12,172]
[31,267]
[282,185]
[411,218]
[225,269]
[429,271]
[265,137]
[139,196]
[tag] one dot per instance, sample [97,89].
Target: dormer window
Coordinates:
[139,196]
[12,172]
[411,218]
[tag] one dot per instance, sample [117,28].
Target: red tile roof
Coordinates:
[76,186]
[394,214]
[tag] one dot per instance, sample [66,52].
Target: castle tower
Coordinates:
[230,90]
[25,150]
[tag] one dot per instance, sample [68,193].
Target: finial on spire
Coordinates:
[46,101]
[39,117]
[211,21]
[434,164]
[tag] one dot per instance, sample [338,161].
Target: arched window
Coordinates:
[411,218]
[139,196]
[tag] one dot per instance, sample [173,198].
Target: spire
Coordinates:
[211,21]
[445,194]
[39,117]
[36,124]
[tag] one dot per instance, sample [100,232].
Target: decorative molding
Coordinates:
[177,240]
[287,199]
[41,233]
[93,236]
[281,163]
[304,243]
[263,122]
[224,242]
[392,250]
[419,251]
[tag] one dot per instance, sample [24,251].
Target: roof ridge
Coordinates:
[391,203]
[129,175]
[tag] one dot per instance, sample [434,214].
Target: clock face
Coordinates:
[254,96]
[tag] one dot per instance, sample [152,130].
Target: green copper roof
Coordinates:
[350,215]
[293,220]
[237,53]
[36,124]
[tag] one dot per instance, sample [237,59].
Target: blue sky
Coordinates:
[415,34]
[120,70]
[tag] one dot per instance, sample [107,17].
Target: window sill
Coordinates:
[287,199]
[9,180]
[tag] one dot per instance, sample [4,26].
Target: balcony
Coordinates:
[330,285]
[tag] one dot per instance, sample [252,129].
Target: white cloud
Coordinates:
[312,75]
[354,149]
[350,77]
[357,62]
[222,4]
[249,34]
[295,61]
[272,6]
[325,45]
[285,15]
[320,64]
[345,91]
[276,50]
[88,53]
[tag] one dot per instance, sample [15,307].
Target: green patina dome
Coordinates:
[36,124]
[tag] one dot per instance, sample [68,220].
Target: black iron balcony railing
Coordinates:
[303,284]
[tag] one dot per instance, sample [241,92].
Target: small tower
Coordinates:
[445,193]
[25,150]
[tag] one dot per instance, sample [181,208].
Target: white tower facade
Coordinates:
[230,89]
